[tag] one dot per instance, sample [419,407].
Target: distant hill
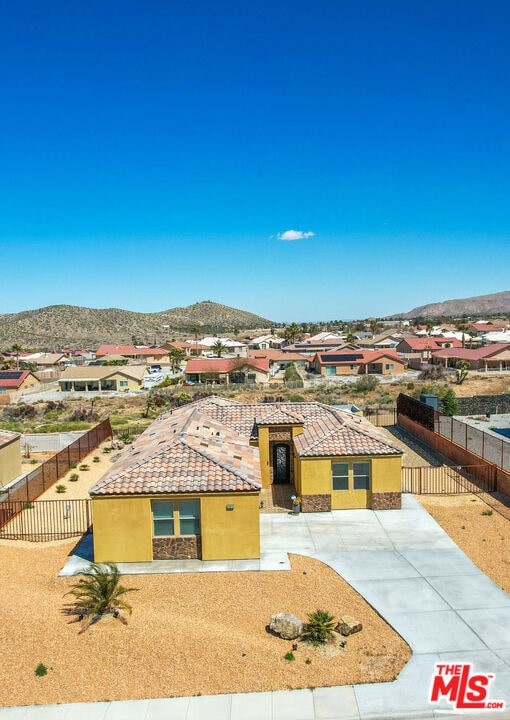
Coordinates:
[477,306]
[70,325]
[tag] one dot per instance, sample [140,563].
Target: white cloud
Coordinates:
[294,235]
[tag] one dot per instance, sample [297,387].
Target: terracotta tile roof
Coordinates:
[420,343]
[110,349]
[204,446]
[358,357]
[6,437]
[473,354]
[102,372]
[224,365]
[13,378]
[276,355]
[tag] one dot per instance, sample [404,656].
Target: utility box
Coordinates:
[431,400]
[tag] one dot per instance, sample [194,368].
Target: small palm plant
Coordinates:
[98,593]
[319,627]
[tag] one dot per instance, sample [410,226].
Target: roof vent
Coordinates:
[204,444]
[238,457]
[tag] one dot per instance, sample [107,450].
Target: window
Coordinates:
[252,377]
[330,369]
[181,518]
[163,518]
[189,517]
[350,476]
[123,383]
[340,472]
[354,367]
[361,475]
[390,366]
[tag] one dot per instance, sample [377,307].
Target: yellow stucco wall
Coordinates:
[316,479]
[132,383]
[265,465]
[122,529]
[123,526]
[230,534]
[10,461]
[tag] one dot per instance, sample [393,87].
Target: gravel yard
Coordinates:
[474,523]
[188,634]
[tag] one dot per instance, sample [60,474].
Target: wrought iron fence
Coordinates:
[381,417]
[448,479]
[44,519]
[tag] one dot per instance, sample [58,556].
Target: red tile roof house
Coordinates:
[278,359]
[188,346]
[189,486]
[227,370]
[491,357]
[14,381]
[419,349]
[367,362]
[146,354]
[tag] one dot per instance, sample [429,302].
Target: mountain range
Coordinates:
[476,306]
[70,325]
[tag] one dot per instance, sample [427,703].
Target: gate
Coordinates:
[448,479]
[42,520]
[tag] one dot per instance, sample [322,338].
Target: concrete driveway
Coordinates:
[413,574]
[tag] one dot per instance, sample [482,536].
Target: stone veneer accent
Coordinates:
[177,548]
[315,503]
[386,501]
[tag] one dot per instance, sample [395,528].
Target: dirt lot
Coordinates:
[478,529]
[188,634]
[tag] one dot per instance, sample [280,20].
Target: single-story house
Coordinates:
[278,360]
[490,357]
[227,370]
[142,353]
[232,347]
[10,456]
[16,380]
[95,378]
[361,362]
[189,485]
[265,342]
[188,346]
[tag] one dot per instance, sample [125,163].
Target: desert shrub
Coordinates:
[73,464]
[366,383]
[73,477]
[434,372]
[95,459]
[448,402]
[19,412]
[53,407]
[124,437]
[319,627]
[60,489]
[290,657]
[41,670]
[84,467]
[294,397]
[80,414]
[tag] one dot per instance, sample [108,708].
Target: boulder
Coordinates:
[348,625]
[288,627]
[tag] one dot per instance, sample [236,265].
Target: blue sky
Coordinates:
[157,154]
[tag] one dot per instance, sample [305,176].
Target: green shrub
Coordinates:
[60,488]
[95,459]
[73,464]
[73,477]
[28,506]
[319,627]
[448,402]
[366,383]
[293,397]
[487,512]
[41,670]
[289,656]
[84,467]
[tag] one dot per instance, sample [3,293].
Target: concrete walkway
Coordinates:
[413,574]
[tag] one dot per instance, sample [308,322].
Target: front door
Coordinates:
[281,464]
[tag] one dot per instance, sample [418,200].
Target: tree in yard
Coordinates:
[176,356]
[462,327]
[17,349]
[374,326]
[218,348]
[449,404]
[461,371]
[292,333]
[97,593]
[195,331]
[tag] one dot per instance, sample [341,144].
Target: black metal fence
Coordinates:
[44,519]
[381,416]
[448,479]
[36,482]
[421,413]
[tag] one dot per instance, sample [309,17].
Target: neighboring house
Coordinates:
[135,352]
[10,456]
[96,378]
[278,360]
[481,327]
[51,361]
[233,347]
[266,342]
[306,347]
[490,357]
[227,370]
[502,336]
[421,348]
[189,485]
[188,346]
[16,380]
[361,362]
